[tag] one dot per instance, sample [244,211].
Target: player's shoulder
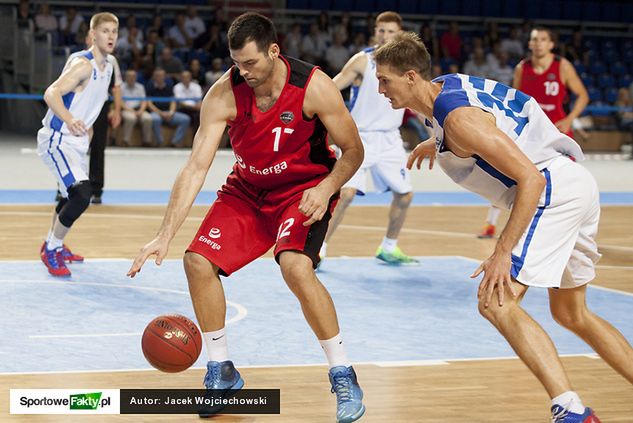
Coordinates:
[452,97]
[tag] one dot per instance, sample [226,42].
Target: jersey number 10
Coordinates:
[551,88]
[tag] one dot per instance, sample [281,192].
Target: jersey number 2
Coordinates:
[277,132]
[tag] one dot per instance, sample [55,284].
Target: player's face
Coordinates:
[540,43]
[255,67]
[393,86]
[105,35]
[386,31]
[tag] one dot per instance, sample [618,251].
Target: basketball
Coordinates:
[171,343]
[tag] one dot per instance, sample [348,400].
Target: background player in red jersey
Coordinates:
[281,192]
[546,77]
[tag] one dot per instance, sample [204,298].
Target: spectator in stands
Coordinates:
[194,25]
[187,88]
[370,28]
[453,68]
[178,37]
[477,66]
[46,22]
[336,55]
[344,26]
[430,41]
[135,111]
[25,19]
[292,42]
[82,33]
[197,73]
[325,30]
[129,48]
[69,25]
[165,112]
[359,43]
[513,45]
[215,72]
[451,43]
[130,25]
[503,72]
[492,57]
[436,70]
[158,44]
[157,25]
[314,45]
[575,51]
[172,65]
[212,42]
[492,35]
[625,117]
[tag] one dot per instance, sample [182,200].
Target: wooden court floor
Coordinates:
[460,391]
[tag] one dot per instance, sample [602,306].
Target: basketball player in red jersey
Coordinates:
[546,77]
[281,193]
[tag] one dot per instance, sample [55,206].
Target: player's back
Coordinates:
[86,104]
[279,147]
[546,88]
[371,110]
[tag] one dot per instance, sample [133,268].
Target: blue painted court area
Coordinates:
[93,321]
[118,197]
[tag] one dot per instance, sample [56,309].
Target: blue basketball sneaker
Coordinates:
[349,396]
[562,415]
[222,381]
[396,257]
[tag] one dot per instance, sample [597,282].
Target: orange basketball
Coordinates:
[171,343]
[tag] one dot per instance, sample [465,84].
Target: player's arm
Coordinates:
[218,106]
[324,99]
[352,70]
[115,114]
[471,131]
[79,70]
[518,72]
[573,82]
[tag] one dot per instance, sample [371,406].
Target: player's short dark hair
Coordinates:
[252,26]
[405,52]
[550,33]
[390,17]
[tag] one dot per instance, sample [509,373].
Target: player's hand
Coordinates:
[77,127]
[115,119]
[314,203]
[157,247]
[419,153]
[564,125]
[496,270]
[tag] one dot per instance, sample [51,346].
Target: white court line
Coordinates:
[140,151]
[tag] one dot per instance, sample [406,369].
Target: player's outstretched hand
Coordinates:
[419,153]
[157,247]
[496,270]
[314,204]
[77,127]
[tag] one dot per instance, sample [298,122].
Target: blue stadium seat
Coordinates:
[606,80]
[611,95]
[411,6]
[594,94]
[572,10]
[320,5]
[471,8]
[625,81]
[344,5]
[590,11]
[512,9]
[587,79]
[593,55]
[618,68]
[534,9]
[597,68]
[610,11]
[363,6]
[552,9]
[579,66]
[608,44]
[450,7]
[628,57]
[610,56]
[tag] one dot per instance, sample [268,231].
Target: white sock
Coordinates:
[389,245]
[570,401]
[323,250]
[493,215]
[335,351]
[52,242]
[217,347]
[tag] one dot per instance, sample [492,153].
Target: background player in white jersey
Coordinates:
[75,100]
[496,141]
[385,157]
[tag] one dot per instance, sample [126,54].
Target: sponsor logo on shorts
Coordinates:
[214,245]
[215,233]
[287,117]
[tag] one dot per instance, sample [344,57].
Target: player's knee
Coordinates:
[196,265]
[60,205]
[347,196]
[296,269]
[567,318]
[403,200]
[493,312]
[78,201]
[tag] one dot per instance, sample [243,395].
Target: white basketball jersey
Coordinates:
[371,110]
[86,104]
[518,115]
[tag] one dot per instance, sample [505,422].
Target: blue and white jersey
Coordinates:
[371,110]
[87,103]
[516,114]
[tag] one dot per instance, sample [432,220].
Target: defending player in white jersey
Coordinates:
[75,100]
[385,157]
[497,141]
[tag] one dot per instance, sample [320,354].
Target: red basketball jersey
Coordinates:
[280,147]
[547,88]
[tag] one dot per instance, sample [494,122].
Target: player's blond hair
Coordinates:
[405,52]
[102,17]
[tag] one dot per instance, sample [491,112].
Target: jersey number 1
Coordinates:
[277,132]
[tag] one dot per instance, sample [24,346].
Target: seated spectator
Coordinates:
[625,117]
[130,25]
[165,112]
[477,66]
[336,55]
[358,44]
[513,45]
[69,25]
[451,43]
[170,64]
[82,34]
[314,45]
[503,72]
[25,19]
[128,48]
[197,74]
[436,70]
[215,73]
[430,41]
[46,22]
[157,25]
[292,42]
[135,111]
[178,37]
[187,88]
[212,42]
[194,25]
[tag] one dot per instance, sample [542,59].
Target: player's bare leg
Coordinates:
[570,310]
[389,252]
[528,339]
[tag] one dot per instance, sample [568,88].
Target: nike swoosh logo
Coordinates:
[215,339]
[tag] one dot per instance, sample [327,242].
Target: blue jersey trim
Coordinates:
[517,262]
[56,122]
[489,169]
[353,96]
[448,101]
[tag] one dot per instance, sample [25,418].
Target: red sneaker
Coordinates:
[69,256]
[54,262]
[487,232]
